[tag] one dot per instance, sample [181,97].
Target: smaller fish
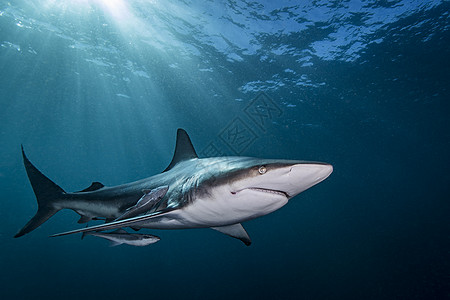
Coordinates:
[147,202]
[120,236]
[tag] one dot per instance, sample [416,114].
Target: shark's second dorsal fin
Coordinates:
[183,149]
[93,187]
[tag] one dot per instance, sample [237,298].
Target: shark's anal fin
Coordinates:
[237,231]
[93,187]
[183,149]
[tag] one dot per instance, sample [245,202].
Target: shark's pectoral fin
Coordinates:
[84,219]
[237,231]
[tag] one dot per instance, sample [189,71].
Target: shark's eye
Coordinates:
[262,170]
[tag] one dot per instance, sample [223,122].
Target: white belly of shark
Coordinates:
[235,208]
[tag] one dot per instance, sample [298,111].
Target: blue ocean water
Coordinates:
[95,91]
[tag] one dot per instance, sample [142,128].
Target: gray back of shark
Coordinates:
[214,192]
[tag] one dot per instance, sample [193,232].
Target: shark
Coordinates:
[213,192]
[120,236]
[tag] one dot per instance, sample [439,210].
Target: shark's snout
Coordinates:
[305,175]
[315,172]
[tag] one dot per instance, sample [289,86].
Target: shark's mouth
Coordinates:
[276,192]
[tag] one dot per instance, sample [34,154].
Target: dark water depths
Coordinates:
[96,89]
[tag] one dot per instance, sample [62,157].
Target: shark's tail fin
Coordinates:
[47,193]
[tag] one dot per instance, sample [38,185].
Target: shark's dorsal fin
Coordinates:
[93,187]
[183,149]
[237,231]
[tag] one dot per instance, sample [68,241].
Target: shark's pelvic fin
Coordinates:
[183,149]
[114,243]
[46,191]
[84,219]
[93,187]
[237,231]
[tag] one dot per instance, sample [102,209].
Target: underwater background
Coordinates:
[95,91]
